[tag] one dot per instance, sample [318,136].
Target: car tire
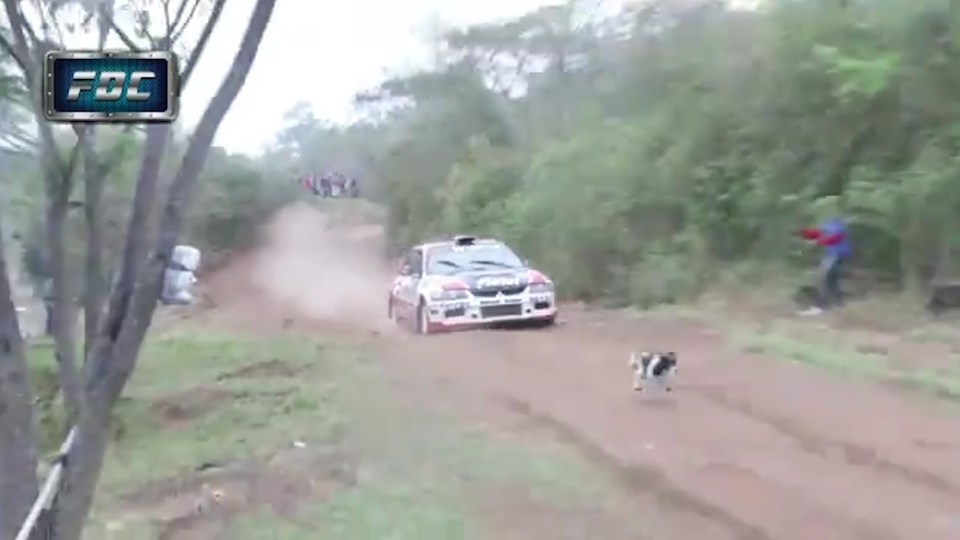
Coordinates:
[422,325]
[548,322]
[390,314]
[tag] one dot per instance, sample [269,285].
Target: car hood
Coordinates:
[495,280]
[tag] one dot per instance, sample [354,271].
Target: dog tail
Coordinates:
[633,360]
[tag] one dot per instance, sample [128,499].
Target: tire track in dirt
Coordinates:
[851,453]
[641,478]
[696,475]
[746,448]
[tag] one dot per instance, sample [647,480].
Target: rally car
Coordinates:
[468,282]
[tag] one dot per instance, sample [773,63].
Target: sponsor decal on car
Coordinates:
[489,282]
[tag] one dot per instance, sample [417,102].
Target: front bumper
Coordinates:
[478,311]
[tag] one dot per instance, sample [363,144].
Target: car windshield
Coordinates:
[453,259]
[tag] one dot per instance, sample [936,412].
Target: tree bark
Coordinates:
[64,319]
[57,177]
[94,283]
[18,451]
[133,301]
[86,457]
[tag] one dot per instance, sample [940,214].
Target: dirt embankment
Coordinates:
[747,447]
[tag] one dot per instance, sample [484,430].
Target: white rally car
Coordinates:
[468,282]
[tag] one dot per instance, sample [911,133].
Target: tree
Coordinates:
[642,155]
[112,354]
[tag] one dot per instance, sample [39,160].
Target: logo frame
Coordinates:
[173,87]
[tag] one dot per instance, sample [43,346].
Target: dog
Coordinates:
[647,366]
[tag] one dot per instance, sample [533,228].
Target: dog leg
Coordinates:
[665,380]
[637,382]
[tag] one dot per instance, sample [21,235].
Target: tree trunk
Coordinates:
[114,353]
[64,319]
[102,368]
[57,184]
[18,451]
[94,283]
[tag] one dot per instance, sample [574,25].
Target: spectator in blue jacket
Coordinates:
[832,236]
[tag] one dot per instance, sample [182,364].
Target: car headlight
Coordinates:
[442,296]
[541,288]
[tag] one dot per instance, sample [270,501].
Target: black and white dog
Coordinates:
[659,367]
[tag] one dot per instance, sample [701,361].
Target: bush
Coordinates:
[236,199]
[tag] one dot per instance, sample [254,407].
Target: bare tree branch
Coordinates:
[31,33]
[106,12]
[201,43]
[71,165]
[186,22]
[181,9]
[96,170]
[16,135]
[103,23]
[49,9]
[133,302]
[58,185]
[8,48]
[167,25]
[18,450]
[16,139]
[17,27]
[44,23]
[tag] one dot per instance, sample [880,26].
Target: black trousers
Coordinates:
[830,292]
[48,325]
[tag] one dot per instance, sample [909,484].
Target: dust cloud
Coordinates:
[326,266]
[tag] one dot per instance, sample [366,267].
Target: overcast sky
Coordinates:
[321,52]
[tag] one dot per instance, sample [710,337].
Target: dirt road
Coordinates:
[746,447]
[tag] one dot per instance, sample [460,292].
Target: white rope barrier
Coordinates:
[50,489]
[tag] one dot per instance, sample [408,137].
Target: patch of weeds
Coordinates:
[395,511]
[849,362]
[935,333]
[940,384]
[834,357]
[252,416]
[101,529]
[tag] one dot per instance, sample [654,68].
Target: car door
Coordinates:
[408,283]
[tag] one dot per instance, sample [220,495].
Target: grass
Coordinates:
[835,356]
[414,471]
[258,414]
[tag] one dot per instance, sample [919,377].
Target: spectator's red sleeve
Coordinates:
[810,234]
[830,240]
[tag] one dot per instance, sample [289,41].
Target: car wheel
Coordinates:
[392,312]
[423,322]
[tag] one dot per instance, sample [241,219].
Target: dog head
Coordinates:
[643,360]
[637,361]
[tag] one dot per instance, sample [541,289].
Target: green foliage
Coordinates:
[641,163]
[236,198]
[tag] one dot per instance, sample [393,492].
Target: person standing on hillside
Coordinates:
[48,299]
[325,185]
[832,236]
